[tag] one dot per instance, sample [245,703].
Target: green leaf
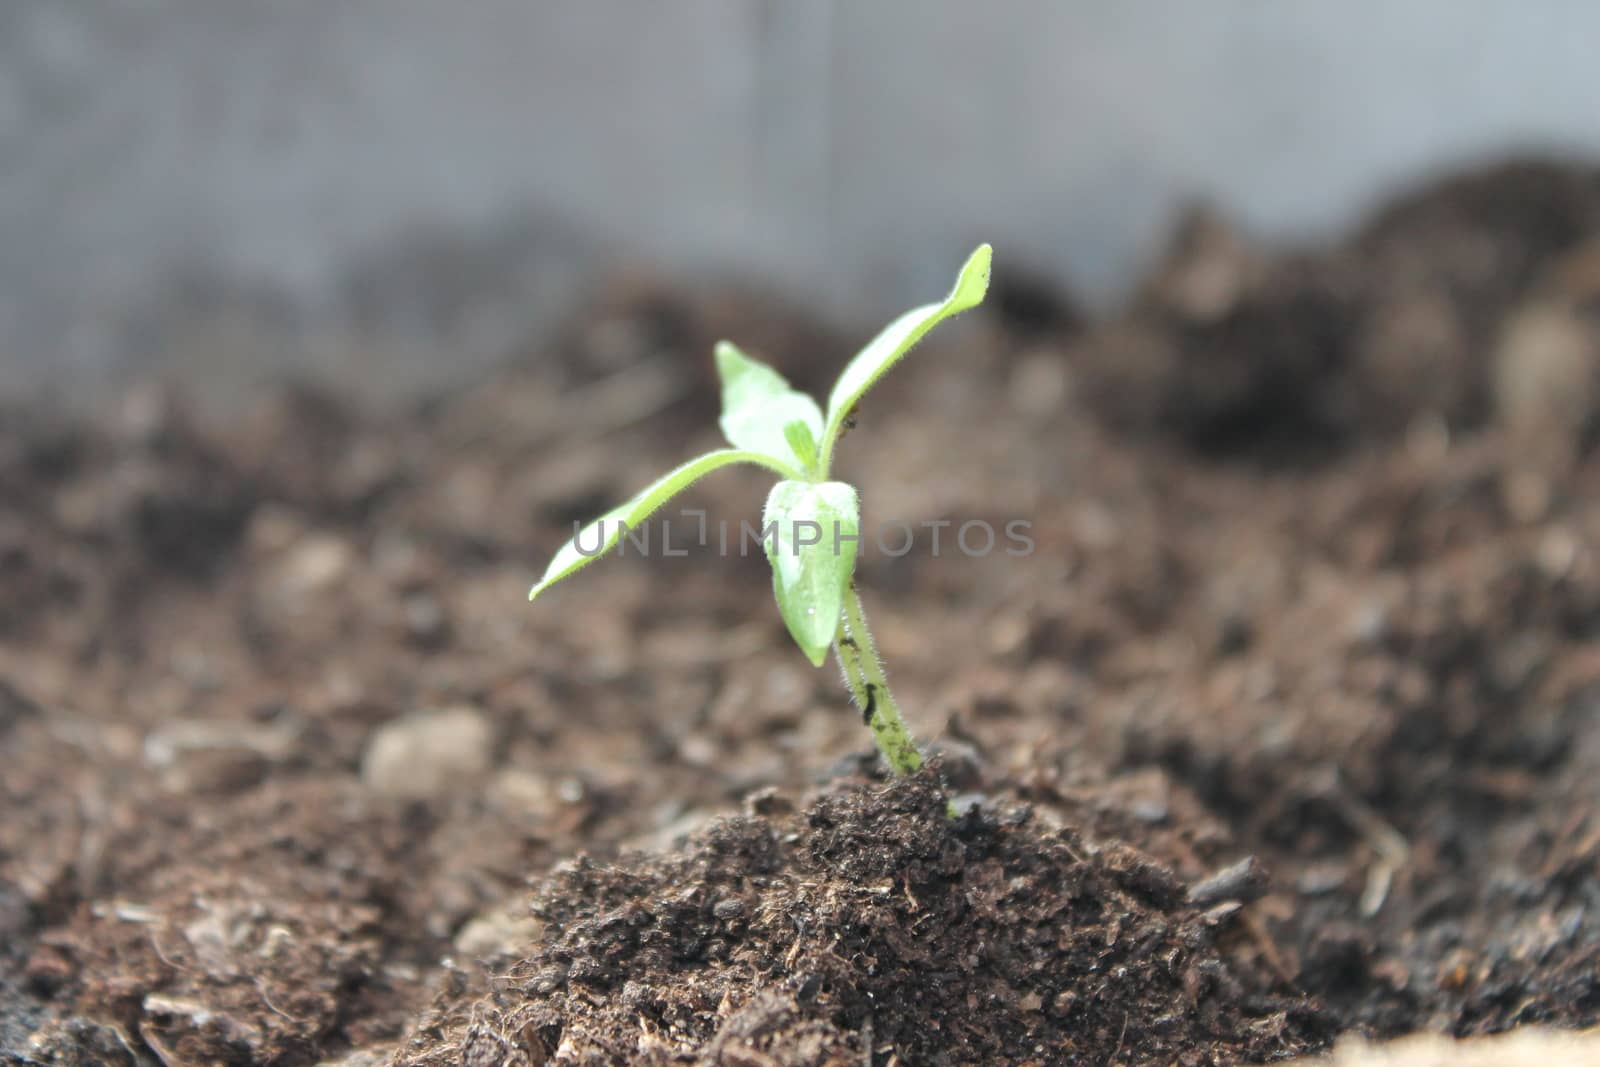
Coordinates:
[758,405]
[803,440]
[601,534]
[873,361]
[814,530]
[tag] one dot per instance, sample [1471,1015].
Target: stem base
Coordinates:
[869,687]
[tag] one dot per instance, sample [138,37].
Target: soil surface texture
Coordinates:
[1287,728]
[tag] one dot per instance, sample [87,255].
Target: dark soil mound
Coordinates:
[872,924]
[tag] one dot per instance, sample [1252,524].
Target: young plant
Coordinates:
[811,524]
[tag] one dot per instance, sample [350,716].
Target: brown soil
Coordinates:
[1290,727]
[875,925]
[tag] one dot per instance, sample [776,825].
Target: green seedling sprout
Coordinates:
[811,524]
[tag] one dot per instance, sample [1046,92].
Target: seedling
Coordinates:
[811,524]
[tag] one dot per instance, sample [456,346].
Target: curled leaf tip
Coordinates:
[973,282]
[898,338]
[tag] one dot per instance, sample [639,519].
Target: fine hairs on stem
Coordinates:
[869,687]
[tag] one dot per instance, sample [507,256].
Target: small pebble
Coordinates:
[429,755]
[1243,881]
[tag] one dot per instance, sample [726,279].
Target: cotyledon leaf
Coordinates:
[600,535]
[811,530]
[873,361]
[758,405]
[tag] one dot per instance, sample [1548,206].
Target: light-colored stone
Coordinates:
[429,754]
[1546,386]
[507,931]
[315,564]
[1521,1048]
[359,1058]
[1039,383]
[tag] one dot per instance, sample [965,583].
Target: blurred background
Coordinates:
[395,194]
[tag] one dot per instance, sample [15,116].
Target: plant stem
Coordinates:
[863,674]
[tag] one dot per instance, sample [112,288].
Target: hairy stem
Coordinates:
[863,674]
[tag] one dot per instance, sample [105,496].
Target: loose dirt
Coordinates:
[1288,729]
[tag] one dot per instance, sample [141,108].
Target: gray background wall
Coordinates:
[398,189]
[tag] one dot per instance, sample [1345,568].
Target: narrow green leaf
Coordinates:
[815,528]
[896,340]
[600,535]
[758,405]
[803,440]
